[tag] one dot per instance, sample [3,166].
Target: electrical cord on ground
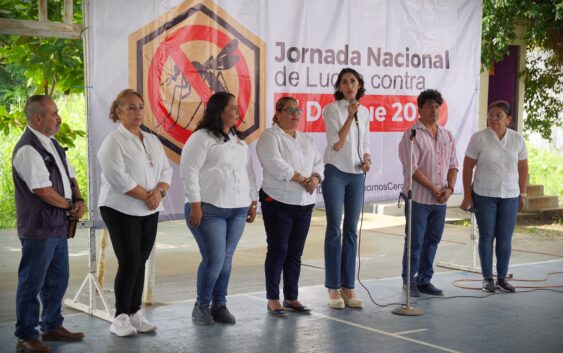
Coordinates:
[360,258]
[549,288]
[490,294]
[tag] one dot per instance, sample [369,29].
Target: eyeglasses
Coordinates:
[292,111]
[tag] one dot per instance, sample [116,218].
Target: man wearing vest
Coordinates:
[46,194]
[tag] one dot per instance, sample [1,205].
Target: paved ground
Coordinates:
[381,249]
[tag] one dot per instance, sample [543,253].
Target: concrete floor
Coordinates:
[525,322]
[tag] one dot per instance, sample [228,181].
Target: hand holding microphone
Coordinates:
[353,109]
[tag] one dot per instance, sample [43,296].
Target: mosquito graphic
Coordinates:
[210,71]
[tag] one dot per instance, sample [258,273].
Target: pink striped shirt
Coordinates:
[432,157]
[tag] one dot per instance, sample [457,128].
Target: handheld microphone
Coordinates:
[354,101]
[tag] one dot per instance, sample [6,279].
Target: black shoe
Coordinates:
[505,286]
[276,312]
[222,315]
[201,315]
[489,285]
[429,289]
[301,309]
[414,290]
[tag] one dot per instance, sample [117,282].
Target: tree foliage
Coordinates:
[543,20]
[32,65]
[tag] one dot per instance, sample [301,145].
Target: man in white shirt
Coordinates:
[47,194]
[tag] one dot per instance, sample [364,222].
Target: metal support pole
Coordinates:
[407,309]
[91,279]
[472,246]
[148,290]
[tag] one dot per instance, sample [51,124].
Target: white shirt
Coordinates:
[347,159]
[125,164]
[281,156]
[496,171]
[31,168]
[217,172]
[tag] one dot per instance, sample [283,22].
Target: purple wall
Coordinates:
[503,82]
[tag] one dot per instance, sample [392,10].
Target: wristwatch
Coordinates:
[162,192]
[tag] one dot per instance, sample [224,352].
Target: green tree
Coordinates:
[31,65]
[543,77]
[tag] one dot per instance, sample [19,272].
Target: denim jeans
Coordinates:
[496,218]
[217,237]
[43,271]
[341,190]
[426,233]
[286,228]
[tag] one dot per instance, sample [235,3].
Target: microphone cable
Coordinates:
[361,225]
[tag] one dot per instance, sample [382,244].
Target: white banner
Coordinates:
[178,53]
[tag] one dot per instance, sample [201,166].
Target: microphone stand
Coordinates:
[407,309]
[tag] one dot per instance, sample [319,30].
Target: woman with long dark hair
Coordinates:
[221,196]
[347,159]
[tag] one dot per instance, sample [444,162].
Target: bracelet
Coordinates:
[162,192]
[253,206]
[78,199]
[523,194]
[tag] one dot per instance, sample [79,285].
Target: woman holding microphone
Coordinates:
[221,196]
[347,159]
[292,170]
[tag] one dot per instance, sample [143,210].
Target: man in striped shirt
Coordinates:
[434,165]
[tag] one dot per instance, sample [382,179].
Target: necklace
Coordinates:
[147,154]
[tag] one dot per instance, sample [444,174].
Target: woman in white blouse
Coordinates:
[221,195]
[347,159]
[135,177]
[498,191]
[292,170]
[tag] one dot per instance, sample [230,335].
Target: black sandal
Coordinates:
[276,312]
[301,309]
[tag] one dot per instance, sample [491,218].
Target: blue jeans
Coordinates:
[426,233]
[43,271]
[217,237]
[341,190]
[496,218]
[286,228]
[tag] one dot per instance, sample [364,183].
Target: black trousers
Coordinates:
[132,238]
[286,227]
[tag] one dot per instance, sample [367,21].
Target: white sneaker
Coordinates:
[121,326]
[140,323]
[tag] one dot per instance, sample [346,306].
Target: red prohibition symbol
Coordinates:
[171,47]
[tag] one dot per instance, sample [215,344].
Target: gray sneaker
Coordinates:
[201,315]
[222,315]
